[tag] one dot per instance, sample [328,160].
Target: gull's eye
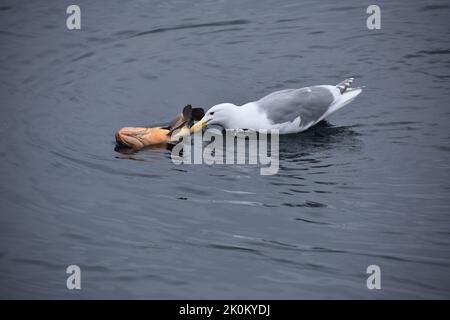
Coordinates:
[211,113]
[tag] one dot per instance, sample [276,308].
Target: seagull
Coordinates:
[289,111]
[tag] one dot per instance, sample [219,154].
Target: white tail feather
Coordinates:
[343,100]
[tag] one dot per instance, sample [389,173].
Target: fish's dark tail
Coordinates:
[191,114]
[186,118]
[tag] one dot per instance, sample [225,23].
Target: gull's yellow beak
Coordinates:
[199,126]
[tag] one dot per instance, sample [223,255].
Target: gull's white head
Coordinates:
[220,114]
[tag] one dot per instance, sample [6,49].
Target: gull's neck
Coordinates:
[247,116]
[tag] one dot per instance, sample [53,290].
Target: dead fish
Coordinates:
[140,137]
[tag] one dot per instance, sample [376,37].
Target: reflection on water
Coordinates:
[321,137]
[369,186]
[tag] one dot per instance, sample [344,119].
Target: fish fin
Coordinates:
[173,123]
[187,112]
[180,120]
[197,114]
[187,117]
[177,126]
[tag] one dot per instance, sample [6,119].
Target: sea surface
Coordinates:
[370,186]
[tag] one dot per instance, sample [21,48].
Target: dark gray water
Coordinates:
[370,186]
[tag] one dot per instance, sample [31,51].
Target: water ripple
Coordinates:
[192,26]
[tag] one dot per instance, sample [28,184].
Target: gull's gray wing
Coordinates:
[286,105]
